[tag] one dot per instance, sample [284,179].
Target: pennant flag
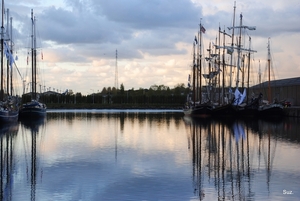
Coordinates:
[196,41]
[202,29]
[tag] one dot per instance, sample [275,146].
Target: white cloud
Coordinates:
[153,38]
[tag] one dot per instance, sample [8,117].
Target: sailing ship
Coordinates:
[233,102]
[194,106]
[9,109]
[33,109]
[269,108]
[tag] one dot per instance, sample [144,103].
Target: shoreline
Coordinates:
[293,111]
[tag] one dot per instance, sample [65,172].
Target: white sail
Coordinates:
[242,98]
[237,96]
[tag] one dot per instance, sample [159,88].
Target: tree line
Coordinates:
[155,95]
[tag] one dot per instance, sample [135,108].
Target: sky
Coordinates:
[78,39]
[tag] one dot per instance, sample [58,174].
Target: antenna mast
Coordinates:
[116,71]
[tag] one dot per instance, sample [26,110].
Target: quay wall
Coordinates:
[293,111]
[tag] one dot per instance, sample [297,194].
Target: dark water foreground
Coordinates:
[149,155]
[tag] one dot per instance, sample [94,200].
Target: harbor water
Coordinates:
[149,155]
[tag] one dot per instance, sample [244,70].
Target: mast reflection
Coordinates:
[223,154]
[35,127]
[7,135]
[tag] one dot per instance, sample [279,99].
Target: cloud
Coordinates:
[83,34]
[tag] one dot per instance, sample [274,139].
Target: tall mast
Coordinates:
[2,40]
[7,63]
[200,63]
[194,74]
[33,56]
[116,71]
[239,52]
[239,48]
[231,55]
[223,61]
[11,48]
[269,72]
[248,81]
[219,66]
[32,65]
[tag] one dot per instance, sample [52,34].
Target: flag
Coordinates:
[202,29]
[8,54]
[196,41]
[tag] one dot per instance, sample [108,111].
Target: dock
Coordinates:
[293,111]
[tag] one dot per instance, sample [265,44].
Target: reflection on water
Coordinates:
[7,135]
[244,160]
[148,155]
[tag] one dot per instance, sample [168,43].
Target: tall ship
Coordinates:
[34,108]
[9,102]
[270,108]
[211,93]
[195,106]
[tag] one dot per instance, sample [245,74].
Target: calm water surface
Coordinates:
[149,155]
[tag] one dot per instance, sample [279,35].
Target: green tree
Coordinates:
[122,90]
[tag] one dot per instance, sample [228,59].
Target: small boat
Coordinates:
[33,109]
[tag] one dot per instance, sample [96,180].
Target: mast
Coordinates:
[116,72]
[32,71]
[7,63]
[197,70]
[239,47]
[209,71]
[200,61]
[33,56]
[223,61]
[269,72]
[2,41]
[11,48]
[219,66]
[239,52]
[248,70]
[194,75]
[231,54]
